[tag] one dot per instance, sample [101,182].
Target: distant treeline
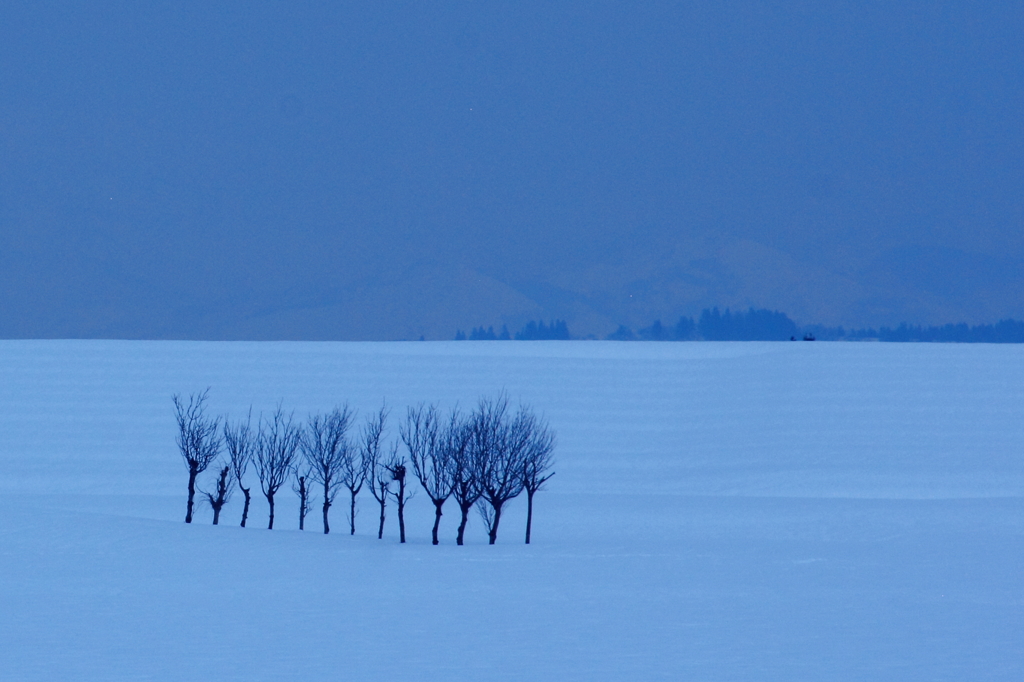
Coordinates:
[556,330]
[764,325]
[714,325]
[1004,331]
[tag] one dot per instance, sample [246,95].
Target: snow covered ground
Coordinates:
[721,511]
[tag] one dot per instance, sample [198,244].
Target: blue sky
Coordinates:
[386,170]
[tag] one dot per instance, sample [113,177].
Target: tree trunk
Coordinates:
[352,514]
[303,494]
[462,523]
[529,513]
[327,505]
[437,519]
[222,494]
[380,530]
[401,510]
[192,473]
[245,509]
[493,534]
[270,500]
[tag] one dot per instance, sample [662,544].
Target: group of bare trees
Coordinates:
[483,458]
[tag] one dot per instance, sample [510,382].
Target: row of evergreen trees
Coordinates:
[1004,331]
[767,325]
[556,330]
[484,459]
[715,325]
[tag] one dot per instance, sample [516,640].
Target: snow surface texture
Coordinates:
[721,511]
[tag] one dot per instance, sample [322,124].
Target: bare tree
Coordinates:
[197,440]
[239,443]
[379,479]
[431,455]
[327,452]
[218,499]
[353,474]
[537,462]
[276,446]
[365,466]
[498,444]
[301,487]
[465,470]
[396,467]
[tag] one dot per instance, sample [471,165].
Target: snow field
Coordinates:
[721,511]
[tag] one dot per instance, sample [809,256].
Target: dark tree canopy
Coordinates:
[556,330]
[752,325]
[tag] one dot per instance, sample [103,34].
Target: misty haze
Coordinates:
[389,171]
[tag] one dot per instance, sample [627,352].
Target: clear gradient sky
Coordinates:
[358,170]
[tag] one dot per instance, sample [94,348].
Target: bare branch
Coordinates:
[239,443]
[430,446]
[372,463]
[326,449]
[302,486]
[465,471]
[395,466]
[277,444]
[537,463]
[223,488]
[499,444]
[197,439]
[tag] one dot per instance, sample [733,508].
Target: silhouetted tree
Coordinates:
[377,476]
[301,487]
[197,440]
[276,446]
[536,462]
[360,464]
[326,450]
[239,443]
[396,467]
[465,471]
[498,444]
[432,446]
[223,493]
